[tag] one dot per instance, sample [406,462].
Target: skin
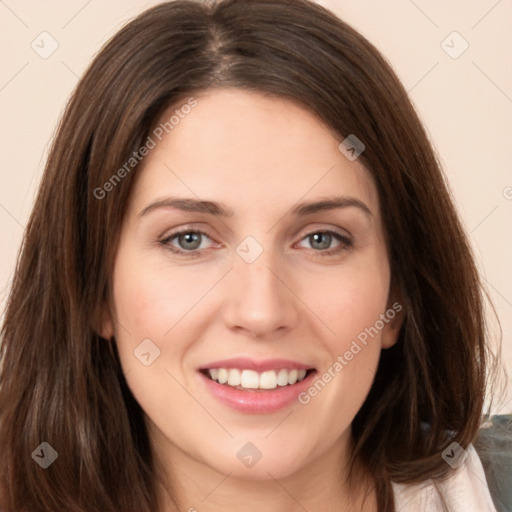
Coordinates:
[259,156]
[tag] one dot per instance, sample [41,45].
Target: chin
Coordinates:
[259,460]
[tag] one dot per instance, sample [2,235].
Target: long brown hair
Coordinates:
[62,384]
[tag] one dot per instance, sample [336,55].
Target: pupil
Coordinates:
[191,238]
[318,236]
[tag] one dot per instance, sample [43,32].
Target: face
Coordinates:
[252,250]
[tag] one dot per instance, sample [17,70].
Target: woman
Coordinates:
[252,368]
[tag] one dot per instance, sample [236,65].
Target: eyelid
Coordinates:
[325,228]
[345,240]
[166,238]
[183,228]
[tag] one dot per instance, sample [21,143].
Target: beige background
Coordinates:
[465,103]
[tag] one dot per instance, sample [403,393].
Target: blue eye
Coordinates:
[323,241]
[189,242]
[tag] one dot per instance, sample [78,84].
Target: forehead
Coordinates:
[248,150]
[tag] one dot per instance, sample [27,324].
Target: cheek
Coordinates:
[351,304]
[147,307]
[151,308]
[167,305]
[349,300]
[150,299]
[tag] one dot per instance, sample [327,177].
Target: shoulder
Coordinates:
[464,490]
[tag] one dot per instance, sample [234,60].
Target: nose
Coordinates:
[260,297]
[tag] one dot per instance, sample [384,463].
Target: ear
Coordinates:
[394,317]
[106,327]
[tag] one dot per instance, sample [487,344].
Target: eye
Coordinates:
[321,241]
[189,241]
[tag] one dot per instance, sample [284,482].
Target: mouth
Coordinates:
[256,387]
[251,380]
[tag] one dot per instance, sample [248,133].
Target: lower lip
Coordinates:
[257,401]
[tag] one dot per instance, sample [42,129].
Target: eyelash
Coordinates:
[345,242]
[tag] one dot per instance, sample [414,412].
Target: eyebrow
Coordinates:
[220,210]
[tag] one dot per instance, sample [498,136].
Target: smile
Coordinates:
[250,379]
[256,387]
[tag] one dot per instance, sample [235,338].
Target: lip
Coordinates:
[257,401]
[245,363]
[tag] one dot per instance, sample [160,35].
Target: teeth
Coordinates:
[282,378]
[293,376]
[234,377]
[249,379]
[222,375]
[268,380]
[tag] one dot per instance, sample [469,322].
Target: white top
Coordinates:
[465,490]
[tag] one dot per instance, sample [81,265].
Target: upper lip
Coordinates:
[259,366]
